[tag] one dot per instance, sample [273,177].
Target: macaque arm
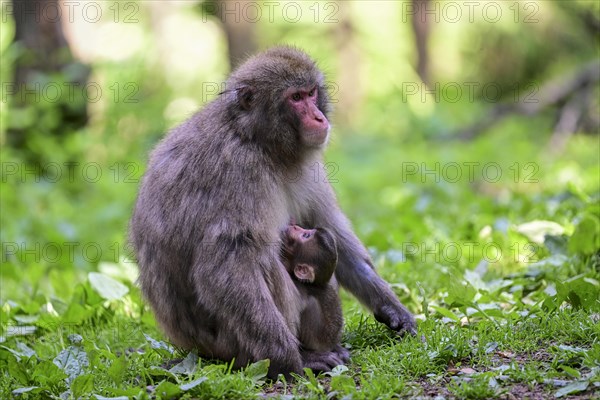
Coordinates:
[355,270]
[355,273]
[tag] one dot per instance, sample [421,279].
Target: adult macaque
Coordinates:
[310,257]
[217,193]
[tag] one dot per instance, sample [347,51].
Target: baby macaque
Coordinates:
[310,257]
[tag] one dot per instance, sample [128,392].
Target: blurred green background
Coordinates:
[454,123]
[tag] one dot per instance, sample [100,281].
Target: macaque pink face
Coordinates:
[314,124]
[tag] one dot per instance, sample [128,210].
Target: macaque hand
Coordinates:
[397,318]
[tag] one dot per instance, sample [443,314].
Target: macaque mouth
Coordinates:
[318,134]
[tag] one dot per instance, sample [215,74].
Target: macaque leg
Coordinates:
[249,325]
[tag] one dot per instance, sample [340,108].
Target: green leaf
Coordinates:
[26,319]
[586,237]
[32,389]
[160,372]
[22,352]
[107,287]
[190,385]
[126,392]
[48,374]
[77,313]
[160,346]
[17,371]
[312,383]
[166,390]
[460,294]
[571,371]
[258,370]
[337,370]
[580,291]
[446,313]
[124,270]
[474,279]
[73,360]
[536,230]
[490,347]
[117,370]
[187,366]
[574,387]
[82,385]
[343,383]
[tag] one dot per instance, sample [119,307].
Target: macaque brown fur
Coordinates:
[217,192]
[310,257]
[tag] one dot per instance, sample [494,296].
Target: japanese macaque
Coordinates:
[310,256]
[218,190]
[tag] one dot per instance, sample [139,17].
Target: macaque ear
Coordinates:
[304,273]
[245,95]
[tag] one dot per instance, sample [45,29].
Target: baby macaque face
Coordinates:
[310,255]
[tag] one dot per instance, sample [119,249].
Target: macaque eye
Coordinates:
[312,93]
[296,97]
[306,235]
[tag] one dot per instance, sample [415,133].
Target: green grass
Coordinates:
[502,275]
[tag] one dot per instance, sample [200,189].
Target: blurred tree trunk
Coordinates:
[240,31]
[346,94]
[421,29]
[45,63]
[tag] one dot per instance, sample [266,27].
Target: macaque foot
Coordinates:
[397,318]
[321,361]
[342,352]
